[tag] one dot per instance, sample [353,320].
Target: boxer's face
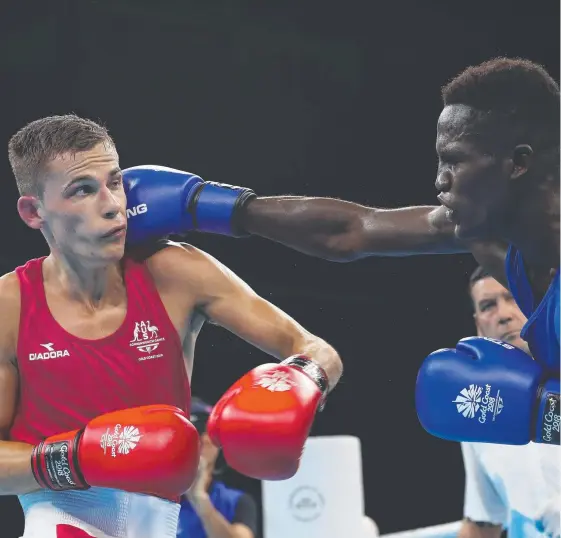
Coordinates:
[496,313]
[82,210]
[473,183]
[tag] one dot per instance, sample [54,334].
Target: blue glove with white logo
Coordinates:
[487,391]
[163,201]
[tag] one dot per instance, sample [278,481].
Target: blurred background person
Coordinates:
[512,487]
[211,509]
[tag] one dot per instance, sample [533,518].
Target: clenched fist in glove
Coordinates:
[487,391]
[163,201]
[151,449]
[263,420]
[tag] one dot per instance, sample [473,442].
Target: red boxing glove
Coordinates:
[151,449]
[263,420]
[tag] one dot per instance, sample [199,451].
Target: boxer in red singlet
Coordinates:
[89,330]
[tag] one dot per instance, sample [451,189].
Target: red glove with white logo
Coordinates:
[263,420]
[151,449]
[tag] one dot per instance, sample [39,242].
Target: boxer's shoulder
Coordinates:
[183,266]
[10,296]
[10,305]
[174,259]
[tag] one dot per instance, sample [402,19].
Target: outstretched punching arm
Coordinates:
[163,200]
[344,231]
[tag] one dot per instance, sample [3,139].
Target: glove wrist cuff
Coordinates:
[545,426]
[54,463]
[239,211]
[313,370]
[219,208]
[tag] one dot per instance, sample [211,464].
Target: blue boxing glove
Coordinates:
[487,391]
[163,201]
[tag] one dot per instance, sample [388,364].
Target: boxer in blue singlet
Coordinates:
[498,181]
[542,327]
[498,177]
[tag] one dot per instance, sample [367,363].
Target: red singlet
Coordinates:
[65,380]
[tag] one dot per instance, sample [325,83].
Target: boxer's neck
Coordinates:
[93,286]
[535,228]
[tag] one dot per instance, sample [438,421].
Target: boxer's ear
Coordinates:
[29,209]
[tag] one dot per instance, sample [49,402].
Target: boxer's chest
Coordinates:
[87,323]
[73,372]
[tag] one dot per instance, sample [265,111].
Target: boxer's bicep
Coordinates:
[9,375]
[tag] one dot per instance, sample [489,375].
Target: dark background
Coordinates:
[318,99]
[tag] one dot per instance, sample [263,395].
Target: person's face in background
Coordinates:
[496,313]
[209,451]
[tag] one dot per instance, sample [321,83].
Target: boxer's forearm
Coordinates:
[323,354]
[343,231]
[321,227]
[214,523]
[16,476]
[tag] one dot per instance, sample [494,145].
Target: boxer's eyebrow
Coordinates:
[87,177]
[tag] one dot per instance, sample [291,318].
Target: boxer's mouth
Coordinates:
[117,231]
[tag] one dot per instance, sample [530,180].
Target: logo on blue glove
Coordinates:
[469,403]
[136,210]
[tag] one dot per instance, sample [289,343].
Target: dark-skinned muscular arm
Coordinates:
[343,231]
[15,458]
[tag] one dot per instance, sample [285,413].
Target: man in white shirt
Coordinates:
[513,487]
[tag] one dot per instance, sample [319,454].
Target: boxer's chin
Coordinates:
[116,253]
[108,254]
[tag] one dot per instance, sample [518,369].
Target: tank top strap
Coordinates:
[139,278]
[32,289]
